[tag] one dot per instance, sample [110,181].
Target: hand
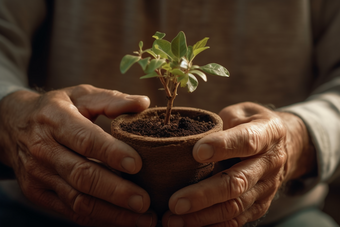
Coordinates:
[47,139]
[273,147]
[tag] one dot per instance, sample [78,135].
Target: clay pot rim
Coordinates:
[115,124]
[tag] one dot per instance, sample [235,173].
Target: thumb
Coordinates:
[92,101]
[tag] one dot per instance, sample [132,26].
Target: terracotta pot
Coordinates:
[168,164]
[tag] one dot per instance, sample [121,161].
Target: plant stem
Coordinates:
[171,94]
[171,103]
[166,88]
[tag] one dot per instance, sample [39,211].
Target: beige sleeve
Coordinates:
[321,111]
[19,20]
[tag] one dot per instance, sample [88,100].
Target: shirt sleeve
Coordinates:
[18,22]
[321,111]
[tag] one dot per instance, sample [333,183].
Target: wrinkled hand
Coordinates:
[45,139]
[273,148]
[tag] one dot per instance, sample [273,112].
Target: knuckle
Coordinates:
[252,137]
[230,144]
[232,208]
[232,223]
[45,112]
[276,158]
[234,183]
[84,141]
[116,93]
[258,210]
[239,184]
[39,149]
[84,176]
[83,89]
[278,128]
[51,107]
[84,205]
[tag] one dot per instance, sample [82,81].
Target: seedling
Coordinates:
[172,63]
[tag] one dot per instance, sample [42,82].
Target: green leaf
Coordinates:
[158,35]
[200,74]
[174,64]
[127,61]
[149,51]
[190,53]
[215,69]
[144,62]
[167,67]
[140,45]
[182,77]
[163,49]
[177,72]
[199,50]
[150,75]
[154,64]
[179,45]
[199,47]
[201,43]
[192,82]
[183,80]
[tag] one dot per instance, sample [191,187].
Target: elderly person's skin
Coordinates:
[274,148]
[45,139]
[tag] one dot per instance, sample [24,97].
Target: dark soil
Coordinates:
[179,126]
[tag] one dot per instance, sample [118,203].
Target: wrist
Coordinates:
[301,161]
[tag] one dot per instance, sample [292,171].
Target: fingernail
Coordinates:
[145,220]
[182,206]
[175,221]
[136,203]
[128,164]
[205,152]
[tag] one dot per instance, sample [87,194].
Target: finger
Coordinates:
[244,140]
[39,188]
[93,212]
[227,185]
[92,179]
[69,128]
[104,212]
[51,201]
[92,142]
[92,101]
[82,208]
[257,199]
[242,113]
[250,216]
